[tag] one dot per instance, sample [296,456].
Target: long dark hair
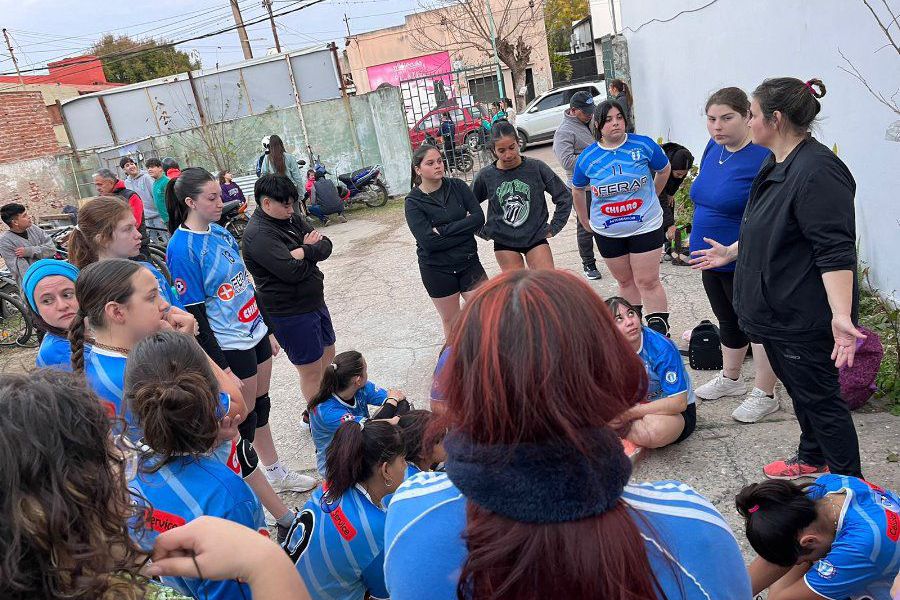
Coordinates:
[623,87]
[187,185]
[173,393]
[65,509]
[413,428]
[521,330]
[338,376]
[418,156]
[97,218]
[600,114]
[499,130]
[98,284]
[774,513]
[798,101]
[356,451]
[276,155]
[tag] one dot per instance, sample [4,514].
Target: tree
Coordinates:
[151,62]
[463,24]
[558,18]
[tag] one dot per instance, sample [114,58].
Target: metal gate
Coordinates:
[463,97]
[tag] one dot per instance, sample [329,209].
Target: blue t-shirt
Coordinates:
[344,546]
[165,288]
[865,555]
[720,193]
[54,353]
[664,365]
[623,200]
[187,488]
[208,268]
[105,373]
[427,518]
[325,418]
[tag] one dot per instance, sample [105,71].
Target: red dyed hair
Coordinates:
[537,357]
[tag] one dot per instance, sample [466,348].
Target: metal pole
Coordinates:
[12,55]
[612,13]
[268,5]
[298,100]
[242,32]
[353,134]
[490,15]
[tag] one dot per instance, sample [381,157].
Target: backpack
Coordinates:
[858,382]
[704,348]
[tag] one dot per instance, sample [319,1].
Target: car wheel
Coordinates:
[523,140]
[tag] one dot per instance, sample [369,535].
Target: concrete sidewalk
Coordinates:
[380,308]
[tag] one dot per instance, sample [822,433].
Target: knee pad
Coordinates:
[263,406]
[247,457]
[248,426]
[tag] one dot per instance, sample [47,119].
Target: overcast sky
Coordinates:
[47,30]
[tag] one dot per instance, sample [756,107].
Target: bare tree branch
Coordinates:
[853,71]
[882,25]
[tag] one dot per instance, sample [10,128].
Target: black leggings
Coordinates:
[719,286]
[389,410]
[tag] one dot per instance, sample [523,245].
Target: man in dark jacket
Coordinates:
[282,252]
[324,200]
[109,184]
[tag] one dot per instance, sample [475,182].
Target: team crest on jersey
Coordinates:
[825,569]
[636,154]
[347,418]
[180,286]
[671,376]
[515,202]
[225,292]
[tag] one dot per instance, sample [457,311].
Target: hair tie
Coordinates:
[334,366]
[753,509]
[362,424]
[809,86]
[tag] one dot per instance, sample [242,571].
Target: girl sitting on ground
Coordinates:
[49,288]
[175,400]
[345,395]
[669,414]
[337,541]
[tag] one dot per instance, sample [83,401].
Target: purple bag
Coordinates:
[858,382]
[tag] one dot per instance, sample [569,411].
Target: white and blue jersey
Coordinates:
[411,470]
[665,369]
[166,290]
[623,200]
[207,268]
[325,418]
[427,517]
[54,353]
[341,546]
[187,488]
[105,373]
[865,555]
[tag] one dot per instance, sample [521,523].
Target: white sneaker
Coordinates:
[291,482]
[756,406]
[721,386]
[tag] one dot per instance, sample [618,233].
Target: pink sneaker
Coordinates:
[632,450]
[793,468]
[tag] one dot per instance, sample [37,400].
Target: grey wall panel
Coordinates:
[316,76]
[222,95]
[131,115]
[269,86]
[87,124]
[174,105]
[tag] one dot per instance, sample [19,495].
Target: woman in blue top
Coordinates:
[836,538]
[345,395]
[536,483]
[669,413]
[174,397]
[626,173]
[49,288]
[337,541]
[720,192]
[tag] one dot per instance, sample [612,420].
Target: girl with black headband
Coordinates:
[536,500]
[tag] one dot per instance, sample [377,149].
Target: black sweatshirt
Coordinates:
[798,224]
[455,214]
[285,286]
[517,210]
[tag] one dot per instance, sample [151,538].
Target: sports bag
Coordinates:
[858,382]
[704,347]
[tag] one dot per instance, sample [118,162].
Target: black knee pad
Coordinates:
[263,406]
[248,426]
[247,457]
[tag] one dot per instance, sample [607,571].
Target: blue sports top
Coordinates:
[165,288]
[208,268]
[325,418]
[55,352]
[664,365]
[623,200]
[105,373]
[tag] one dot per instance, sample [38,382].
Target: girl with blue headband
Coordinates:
[49,288]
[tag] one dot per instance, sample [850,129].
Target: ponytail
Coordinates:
[97,220]
[187,185]
[623,87]
[338,375]
[76,341]
[774,513]
[796,100]
[355,453]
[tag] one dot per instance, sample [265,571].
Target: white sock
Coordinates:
[276,469]
[286,519]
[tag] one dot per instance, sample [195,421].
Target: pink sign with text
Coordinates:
[411,68]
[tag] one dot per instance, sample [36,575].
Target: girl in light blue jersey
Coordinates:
[337,541]
[49,288]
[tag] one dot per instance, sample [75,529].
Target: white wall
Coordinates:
[676,65]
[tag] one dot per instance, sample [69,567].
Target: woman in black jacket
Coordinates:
[795,281]
[443,215]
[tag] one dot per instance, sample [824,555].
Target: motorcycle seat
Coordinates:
[230,206]
[346,178]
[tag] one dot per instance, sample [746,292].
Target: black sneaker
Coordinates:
[282,533]
[592,273]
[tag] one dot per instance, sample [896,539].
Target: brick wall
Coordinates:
[25,128]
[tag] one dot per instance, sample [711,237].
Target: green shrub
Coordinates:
[879,314]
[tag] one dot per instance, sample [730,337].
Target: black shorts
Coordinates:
[498,247]
[614,247]
[440,282]
[690,422]
[244,363]
[304,336]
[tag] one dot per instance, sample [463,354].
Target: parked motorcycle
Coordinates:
[460,158]
[362,185]
[234,218]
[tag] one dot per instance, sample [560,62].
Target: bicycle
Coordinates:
[16,328]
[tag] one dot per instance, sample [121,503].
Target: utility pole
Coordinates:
[347,23]
[490,15]
[268,5]
[242,32]
[13,57]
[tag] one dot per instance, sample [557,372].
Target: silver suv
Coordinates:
[539,120]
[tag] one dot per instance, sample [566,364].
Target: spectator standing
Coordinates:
[448,136]
[142,184]
[621,93]
[571,138]
[795,288]
[171,167]
[160,181]
[25,243]
[510,109]
[108,184]
[279,162]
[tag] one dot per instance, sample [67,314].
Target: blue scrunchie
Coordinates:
[550,482]
[46,267]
